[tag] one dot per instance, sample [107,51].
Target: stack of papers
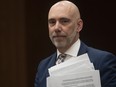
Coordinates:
[75,72]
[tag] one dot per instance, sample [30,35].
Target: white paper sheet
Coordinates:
[71,69]
[75,72]
[72,61]
[85,79]
[74,68]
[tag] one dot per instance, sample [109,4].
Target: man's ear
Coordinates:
[79,25]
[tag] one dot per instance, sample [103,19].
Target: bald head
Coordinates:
[66,6]
[64,24]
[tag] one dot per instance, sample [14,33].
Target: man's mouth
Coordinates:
[59,36]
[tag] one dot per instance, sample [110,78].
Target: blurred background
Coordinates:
[24,39]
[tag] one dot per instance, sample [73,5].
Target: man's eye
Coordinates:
[65,21]
[51,21]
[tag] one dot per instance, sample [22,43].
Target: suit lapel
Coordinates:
[51,63]
[83,49]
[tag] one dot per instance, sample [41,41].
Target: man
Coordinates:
[65,24]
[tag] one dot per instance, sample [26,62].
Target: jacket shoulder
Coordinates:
[48,60]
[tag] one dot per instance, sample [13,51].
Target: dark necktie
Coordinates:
[61,58]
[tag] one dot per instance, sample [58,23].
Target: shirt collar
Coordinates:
[73,50]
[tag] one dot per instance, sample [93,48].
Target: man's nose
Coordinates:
[57,26]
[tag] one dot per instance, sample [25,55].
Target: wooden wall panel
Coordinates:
[13,66]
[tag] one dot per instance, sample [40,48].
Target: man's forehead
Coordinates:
[62,4]
[60,13]
[61,9]
[65,7]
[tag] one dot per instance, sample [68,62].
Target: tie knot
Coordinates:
[61,58]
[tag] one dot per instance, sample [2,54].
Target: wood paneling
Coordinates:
[13,66]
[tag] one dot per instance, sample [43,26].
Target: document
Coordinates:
[82,65]
[82,59]
[75,72]
[85,79]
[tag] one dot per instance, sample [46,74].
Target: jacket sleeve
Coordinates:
[42,73]
[36,84]
[108,71]
[40,79]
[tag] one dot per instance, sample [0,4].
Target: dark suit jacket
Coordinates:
[103,61]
